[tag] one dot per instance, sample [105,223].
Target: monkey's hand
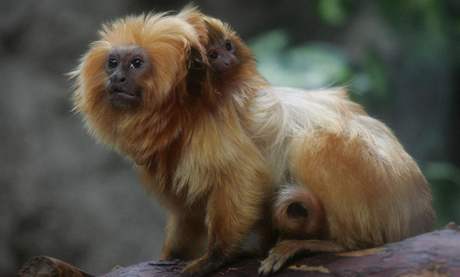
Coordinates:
[287,249]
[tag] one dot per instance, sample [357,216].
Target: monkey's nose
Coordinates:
[118,78]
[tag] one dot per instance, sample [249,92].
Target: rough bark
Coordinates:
[431,254]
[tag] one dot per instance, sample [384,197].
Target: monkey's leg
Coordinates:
[233,211]
[185,237]
[267,235]
[286,249]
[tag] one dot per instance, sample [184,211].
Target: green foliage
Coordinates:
[307,66]
[332,12]
[320,65]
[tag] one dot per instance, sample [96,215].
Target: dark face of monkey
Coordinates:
[222,56]
[125,66]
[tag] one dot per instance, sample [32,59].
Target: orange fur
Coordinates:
[359,184]
[311,224]
[214,148]
[187,138]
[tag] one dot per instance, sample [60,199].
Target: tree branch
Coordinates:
[431,254]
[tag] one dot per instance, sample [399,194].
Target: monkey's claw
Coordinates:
[272,264]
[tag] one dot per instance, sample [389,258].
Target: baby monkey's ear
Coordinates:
[197,71]
[198,62]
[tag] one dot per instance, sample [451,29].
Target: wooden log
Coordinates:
[42,266]
[432,254]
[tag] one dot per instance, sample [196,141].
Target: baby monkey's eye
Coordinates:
[213,55]
[228,45]
[112,63]
[136,63]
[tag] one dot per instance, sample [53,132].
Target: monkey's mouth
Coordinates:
[123,99]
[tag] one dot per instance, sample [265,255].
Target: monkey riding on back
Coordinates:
[225,152]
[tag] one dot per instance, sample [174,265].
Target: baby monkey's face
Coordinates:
[125,67]
[222,56]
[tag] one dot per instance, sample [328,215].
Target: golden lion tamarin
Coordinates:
[215,144]
[145,88]
[355,185]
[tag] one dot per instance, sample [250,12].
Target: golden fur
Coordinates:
[370,190]
[214,150]
[299,214]
[187,139]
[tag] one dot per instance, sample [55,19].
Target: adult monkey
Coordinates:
[144,88]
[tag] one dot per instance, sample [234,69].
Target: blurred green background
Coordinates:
[401,60]
[66,196]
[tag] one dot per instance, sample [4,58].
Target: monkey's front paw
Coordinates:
[277,257]
[272,264]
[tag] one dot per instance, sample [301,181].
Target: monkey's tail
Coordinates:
[298,213]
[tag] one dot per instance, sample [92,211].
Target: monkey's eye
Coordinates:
[112,63]
[136,63]
[213,55]
[228,45]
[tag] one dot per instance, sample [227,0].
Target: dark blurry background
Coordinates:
[64,195]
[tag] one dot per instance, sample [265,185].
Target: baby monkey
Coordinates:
[144,88]
[230,59]
[222,56]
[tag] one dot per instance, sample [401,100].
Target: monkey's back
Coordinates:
[372,191]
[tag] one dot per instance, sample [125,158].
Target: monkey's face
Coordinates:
[126,66]
[228,56]
[137,65]
[132,81]
[222,56]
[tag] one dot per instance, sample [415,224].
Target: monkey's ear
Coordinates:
[197,71]
[197,60]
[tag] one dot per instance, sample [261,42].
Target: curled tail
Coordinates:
[299,214]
